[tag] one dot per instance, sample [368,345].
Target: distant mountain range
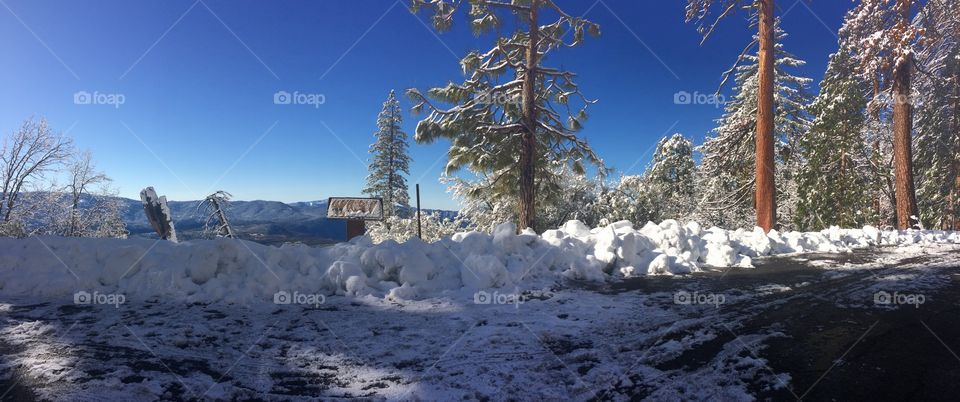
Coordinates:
[269,222]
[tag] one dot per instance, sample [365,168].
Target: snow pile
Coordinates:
[239,271]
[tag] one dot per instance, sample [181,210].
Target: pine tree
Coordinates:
[938,117]
[886,39]
[834,168]
[728,168]
[390,160]
[670,179]
[511,102]
[765,191]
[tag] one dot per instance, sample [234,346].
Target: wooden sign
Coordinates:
[355,208]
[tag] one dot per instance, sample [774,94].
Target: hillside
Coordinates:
[268,222]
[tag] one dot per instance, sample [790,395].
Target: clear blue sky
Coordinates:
[198,80]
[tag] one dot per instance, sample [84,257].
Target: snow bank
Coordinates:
[239,271]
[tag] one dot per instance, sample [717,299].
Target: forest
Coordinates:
[878,145]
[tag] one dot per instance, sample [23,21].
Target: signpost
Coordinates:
[419,233]
[356,211]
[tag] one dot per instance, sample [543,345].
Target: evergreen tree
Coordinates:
[834,169]
[629,199]
[764,179]
[390,160]
[938,117]
[670,179]
[886,40]
[513,118]
[728,167]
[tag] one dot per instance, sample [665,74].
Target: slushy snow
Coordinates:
[240,271]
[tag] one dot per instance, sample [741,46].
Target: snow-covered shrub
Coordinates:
[433,226]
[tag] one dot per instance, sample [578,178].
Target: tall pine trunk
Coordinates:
[528,147]
[955,189]
[902,137]
[765,199]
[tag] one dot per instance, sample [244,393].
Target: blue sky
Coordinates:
[197,80]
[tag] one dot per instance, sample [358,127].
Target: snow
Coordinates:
[436,334]
[237,271]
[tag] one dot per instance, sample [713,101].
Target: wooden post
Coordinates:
[356,227]
[419,233]
[766,191]
[158,214]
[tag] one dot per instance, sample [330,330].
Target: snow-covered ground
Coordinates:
[473,317]
[572,343]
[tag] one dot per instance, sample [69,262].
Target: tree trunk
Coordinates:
[902,137]
[766,203]
[390,204]
[528,147]
[955,190]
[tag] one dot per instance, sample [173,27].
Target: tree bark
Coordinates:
[902,135]
[528,147]
[765,198]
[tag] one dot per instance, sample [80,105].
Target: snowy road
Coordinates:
[790,329]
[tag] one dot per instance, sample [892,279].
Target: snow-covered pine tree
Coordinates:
[728,167]
[764,179]
[513,118]
[937,140]
[885,39]
[834,169]
[390,160]
[670,179]
[628,199]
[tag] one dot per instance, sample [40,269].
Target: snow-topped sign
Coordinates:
[368,209]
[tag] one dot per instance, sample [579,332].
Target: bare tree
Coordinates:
[25,157]
[83,176]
